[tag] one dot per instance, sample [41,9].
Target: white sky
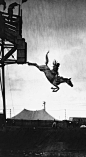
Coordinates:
[60,27]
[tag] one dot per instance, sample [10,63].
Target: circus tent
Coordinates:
[33,115]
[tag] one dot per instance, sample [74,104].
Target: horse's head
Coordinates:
[55,65]
[70,82]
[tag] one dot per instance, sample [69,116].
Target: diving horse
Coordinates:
[52,75]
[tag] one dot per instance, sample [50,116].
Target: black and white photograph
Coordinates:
[42,78]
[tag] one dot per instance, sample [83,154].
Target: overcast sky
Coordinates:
[60,27]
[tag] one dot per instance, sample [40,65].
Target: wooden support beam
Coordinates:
[8,55]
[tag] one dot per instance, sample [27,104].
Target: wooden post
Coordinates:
[3,81]
[10,113]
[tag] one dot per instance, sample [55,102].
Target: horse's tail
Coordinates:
[69,82]
[47,59]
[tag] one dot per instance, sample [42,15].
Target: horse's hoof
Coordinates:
[52,87]
[54,91]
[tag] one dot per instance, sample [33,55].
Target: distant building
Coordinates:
[81,120]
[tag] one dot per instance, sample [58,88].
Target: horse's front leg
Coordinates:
[55,89]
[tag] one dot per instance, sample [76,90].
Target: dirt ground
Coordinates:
[31,142]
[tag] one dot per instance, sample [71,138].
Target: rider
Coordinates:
[55,65]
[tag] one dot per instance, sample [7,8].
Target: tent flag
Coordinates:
[2,2]
[24,1]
